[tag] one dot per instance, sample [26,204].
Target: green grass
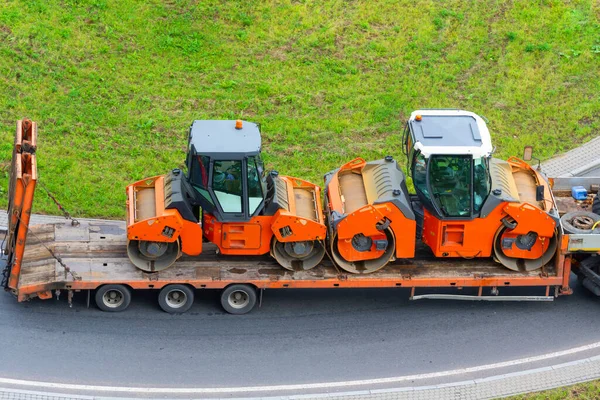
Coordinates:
[114,85]
[583,391]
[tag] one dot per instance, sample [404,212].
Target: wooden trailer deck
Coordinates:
[95,254]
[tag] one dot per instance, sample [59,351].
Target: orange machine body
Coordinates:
[251,237]
[364,205]
[475,237]
[160,224]
[254,237]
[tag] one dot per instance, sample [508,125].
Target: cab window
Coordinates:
[227,185]
[199,175]
[450,183]
[481,182]
[420,174]
[199,171]
[255,196]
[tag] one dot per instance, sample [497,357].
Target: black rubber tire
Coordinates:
[565,221]
[596,205]
[178,305]
[244,305]
[591,263]
[103,302]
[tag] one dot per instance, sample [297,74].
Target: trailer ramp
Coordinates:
[23,177]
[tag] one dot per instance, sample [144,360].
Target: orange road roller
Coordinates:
[369,215]
[225,197]
[467,203]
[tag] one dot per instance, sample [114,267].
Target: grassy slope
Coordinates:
[115,84]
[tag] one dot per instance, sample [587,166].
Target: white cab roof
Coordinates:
[450,132]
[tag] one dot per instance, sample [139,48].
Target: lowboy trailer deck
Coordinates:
[92,256]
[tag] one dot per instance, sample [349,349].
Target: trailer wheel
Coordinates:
[176,299]
[113,298]
[238,299]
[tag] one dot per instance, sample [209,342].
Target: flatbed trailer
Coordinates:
[92,256]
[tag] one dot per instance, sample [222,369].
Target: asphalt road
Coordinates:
[297,336]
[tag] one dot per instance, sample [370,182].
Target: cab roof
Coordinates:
[450,132]
[220,139]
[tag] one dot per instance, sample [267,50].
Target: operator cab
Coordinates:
[225,170]
[449,153]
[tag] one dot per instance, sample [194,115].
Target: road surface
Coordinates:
[298,336]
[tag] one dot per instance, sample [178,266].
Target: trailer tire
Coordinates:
[176,299]
[238,299]
[113,298]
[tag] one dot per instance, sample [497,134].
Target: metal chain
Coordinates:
[57,258]
[67,215]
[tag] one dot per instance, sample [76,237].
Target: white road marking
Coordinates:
[307,386]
